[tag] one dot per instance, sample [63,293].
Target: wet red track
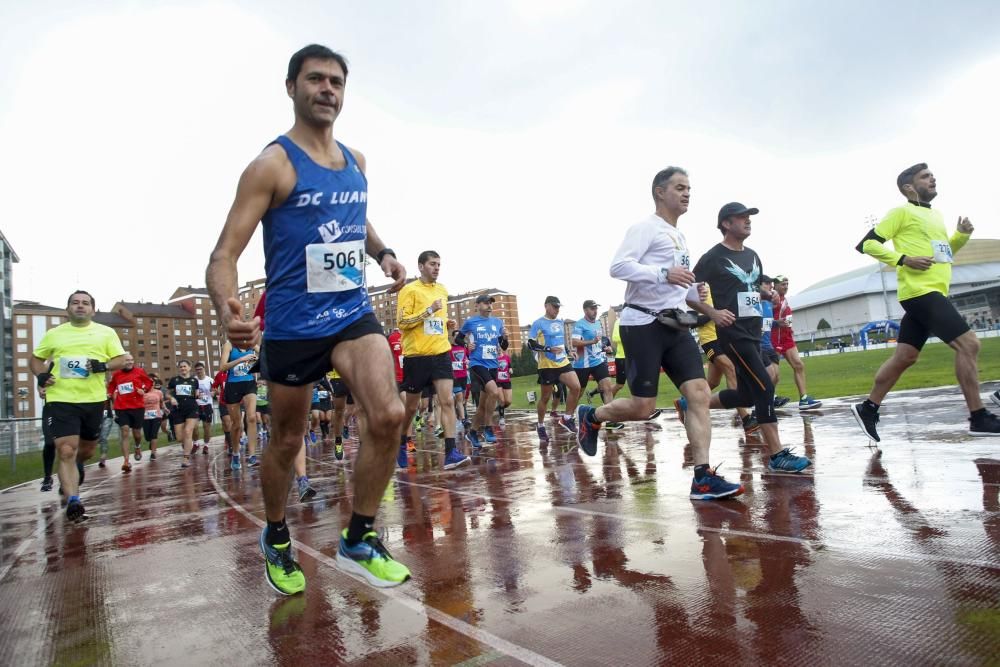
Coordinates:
[539,557]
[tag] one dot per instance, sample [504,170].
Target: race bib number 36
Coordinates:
[73,368]
[748,304]
[335,267]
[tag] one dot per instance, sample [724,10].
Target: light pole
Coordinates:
[870,222]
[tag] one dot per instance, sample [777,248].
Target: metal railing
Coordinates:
[20,435]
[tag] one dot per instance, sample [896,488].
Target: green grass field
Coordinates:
[846,374]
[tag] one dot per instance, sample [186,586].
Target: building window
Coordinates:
[54,320]
[197,311]
[139,332]
[201,343]
[142,353]
[214,323]
[154,365]
[177,332]
[22,377]
[22,363]
[138,320]
[22,406]
[22,333]
[199,332]
[187,332]
[22,347]
[125,331]
[22,319]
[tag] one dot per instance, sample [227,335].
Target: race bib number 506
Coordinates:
[335,267]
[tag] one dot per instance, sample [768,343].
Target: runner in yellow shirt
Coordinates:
[81,351]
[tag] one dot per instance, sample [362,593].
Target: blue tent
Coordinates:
[878,325]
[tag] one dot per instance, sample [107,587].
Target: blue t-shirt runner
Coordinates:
[593,354]
[486,331]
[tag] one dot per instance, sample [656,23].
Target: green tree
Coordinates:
[524,363]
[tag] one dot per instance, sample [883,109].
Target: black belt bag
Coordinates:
[674,318]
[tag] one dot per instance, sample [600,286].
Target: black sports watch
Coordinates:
[383,252]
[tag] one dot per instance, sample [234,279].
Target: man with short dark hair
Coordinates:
[922,254]
[127,389]
[81,352]
[311,193]
[547,339]
[484,335]
[422,315]
[592,347]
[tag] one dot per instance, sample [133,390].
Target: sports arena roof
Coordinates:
[977,265]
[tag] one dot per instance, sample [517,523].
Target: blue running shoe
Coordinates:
[586,432]
[542,434]
[312,437]
[568,423]
[283,573]
[473,437]
[713,487]
[347,433]
[371,560]
[252,461]
[402,460]
[681,406]
[489,436]
[234,462]
[785,461]
[807,402]
[455,458]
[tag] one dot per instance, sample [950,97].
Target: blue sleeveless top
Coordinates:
[239,372]
[314,250]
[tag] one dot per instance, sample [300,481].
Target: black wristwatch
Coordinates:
[383,252]
[902,260]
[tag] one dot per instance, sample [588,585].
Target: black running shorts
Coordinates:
[598,372]
[552,375]
[483,375]
[235,391]
[183,411]
[931,314]
[753,384]
[654,346]
[620,370]
[297,362]
[131,418]
[80,419]
[340,389]
[711,350]
[420,372]
[205,413]
[769,355]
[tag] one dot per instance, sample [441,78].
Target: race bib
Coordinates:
[183,390]
[682,259]
[748,304]
[73,368]
[323,395]
[241,370]
[434,326]
[768,324]
[335,267]
[125,388]
[942,252]
[152,414]
[489,351]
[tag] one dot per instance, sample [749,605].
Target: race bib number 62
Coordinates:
[335,267]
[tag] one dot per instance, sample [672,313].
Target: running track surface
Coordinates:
[538,556]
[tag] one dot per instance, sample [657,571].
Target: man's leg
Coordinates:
[966,349]
[798,369]
[188,426]
[287,433]
[123,433]
[697,422]
[889,372]
[725,365]
[572,383]
[446,400]
[607,387]
[227,428]
[489,397]
[545,393]
[249,402]
[67,448]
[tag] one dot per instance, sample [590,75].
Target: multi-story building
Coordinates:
[7,260]
[159,335]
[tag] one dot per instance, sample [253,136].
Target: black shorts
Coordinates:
[235,391]
[131,417]
[503,384]
[294,363]
[183,411]
[620,373]
[458,385]
[205,413]
[598,372]
[711,349]
[769,355]
[263,409]
[82,419]
[483,375]
[322,406]
[753,384]
[340,389]
[150,428]
[421,372]
[931,314]
[654,346]
[552,375]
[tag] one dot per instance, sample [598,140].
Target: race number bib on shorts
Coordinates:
[489,351]
[183,390]
[125,388]
[434,326]
[748,304]
[152,414]
[942,252]
[73,368]
[335,267]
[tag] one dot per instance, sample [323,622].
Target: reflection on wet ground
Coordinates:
[539,556]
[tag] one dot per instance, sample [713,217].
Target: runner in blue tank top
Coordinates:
[240,397]
[310,193]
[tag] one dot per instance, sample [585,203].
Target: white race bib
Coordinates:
[335,267]
[682,259]
[434,326]
[241,370]
[73,368]
[489,351]
[182,390]
[942,252]
[125,388]
[748,304]
[768,324]
[323,395]
[152,414]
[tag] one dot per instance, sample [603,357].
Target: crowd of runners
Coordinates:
[314,365]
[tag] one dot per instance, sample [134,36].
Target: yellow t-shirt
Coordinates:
[423,336]
[333,374]
[706,332]
[616,340]
[70,347]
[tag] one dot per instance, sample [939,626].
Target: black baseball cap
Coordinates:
[590,303]
[766,279]
[554,300]
[485,298]
[735,208]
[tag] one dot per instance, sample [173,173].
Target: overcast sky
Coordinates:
[518,138]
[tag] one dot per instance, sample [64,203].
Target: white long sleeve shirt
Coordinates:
[651,247]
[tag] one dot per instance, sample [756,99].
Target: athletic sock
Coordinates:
[73,499]
[359,526]
[979,412]
[277,533]
[449,444]
[325,428]
[701,470]
[500,409]
[870,405]
[48,457]
[79,469]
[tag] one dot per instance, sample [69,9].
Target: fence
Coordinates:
[18,436]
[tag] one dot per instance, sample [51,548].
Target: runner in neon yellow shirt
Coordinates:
[922,253]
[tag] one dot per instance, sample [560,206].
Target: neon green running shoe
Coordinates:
[371,560]
[283,573]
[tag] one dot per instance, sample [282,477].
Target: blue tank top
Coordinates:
[314,250]
[239,372]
